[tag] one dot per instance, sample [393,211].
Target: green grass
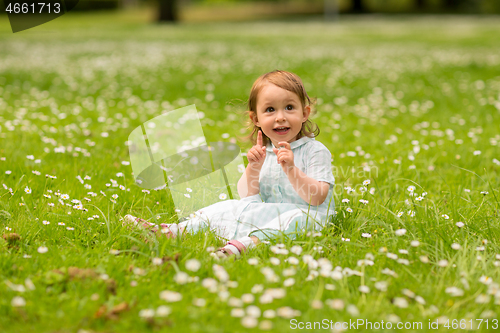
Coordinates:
[402,101]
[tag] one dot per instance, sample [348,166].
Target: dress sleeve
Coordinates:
[319,165]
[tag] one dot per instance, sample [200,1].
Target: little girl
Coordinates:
[287,186]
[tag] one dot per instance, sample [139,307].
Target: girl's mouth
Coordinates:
[282,130]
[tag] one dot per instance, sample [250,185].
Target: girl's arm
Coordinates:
[310,190]
[248,184]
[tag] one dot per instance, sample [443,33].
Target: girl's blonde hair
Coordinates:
[288,81]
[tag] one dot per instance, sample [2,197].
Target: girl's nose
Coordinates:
[280,116]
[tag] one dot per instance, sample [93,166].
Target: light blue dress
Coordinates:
[277,208]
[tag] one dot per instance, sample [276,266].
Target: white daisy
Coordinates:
[400,232]
[42,249]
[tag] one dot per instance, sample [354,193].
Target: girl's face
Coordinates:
[279,114]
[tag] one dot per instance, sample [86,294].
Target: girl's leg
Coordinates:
[299,223]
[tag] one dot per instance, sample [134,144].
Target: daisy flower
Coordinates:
[364,289]
[400,302]
[442,263]
[27,190]
[42,249]
[400,232]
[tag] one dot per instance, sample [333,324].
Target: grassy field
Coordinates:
[411,104]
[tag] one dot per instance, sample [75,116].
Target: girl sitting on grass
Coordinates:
[287,185]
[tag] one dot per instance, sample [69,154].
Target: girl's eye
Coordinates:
[269,109]
[289,107]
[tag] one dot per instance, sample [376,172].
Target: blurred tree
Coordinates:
[451,4]
[167,11]
[358,7]
[420,4]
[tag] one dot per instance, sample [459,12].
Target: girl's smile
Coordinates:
[280,114]
[281,130]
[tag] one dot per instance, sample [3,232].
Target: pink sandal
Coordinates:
[235,247]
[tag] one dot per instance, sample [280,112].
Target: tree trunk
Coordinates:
[451,4]
[420,4]
[167,11]
[357,6]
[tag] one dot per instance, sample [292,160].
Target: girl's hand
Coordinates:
[257,154]
[285,156]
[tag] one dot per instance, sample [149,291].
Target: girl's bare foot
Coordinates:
[169,230]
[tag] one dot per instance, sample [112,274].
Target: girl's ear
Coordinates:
[253,117]
[307,113]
